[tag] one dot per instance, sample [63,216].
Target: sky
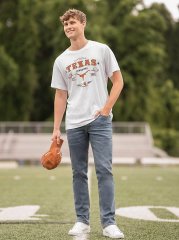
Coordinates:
[170,4]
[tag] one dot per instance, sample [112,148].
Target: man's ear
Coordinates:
[84,24]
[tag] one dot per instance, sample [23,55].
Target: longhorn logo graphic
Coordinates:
[83,83]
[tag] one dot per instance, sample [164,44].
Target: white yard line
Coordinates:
[17,177]
[124,178]
[159,178]
[52,178]
[8,164]
[89,180]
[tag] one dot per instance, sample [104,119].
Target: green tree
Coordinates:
[141,48]
[9,76]
[174,55]
[19,36]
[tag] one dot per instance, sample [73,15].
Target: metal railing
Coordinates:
[27,140]
[47,127]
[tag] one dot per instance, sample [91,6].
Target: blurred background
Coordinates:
[144,37]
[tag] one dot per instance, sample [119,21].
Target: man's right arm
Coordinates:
[60,102]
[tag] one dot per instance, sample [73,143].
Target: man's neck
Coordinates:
[78,44]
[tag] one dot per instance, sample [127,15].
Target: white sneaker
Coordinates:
[112,231]
[79,228]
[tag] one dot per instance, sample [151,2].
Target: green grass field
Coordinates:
[52,191]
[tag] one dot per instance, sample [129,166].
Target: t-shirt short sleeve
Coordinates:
[111,64]
[58,80]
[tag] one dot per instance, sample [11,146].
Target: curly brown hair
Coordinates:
[74,13]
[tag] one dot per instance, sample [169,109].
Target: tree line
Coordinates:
[144,40]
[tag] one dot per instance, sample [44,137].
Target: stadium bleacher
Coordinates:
[27,141]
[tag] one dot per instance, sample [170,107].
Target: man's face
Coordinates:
[73,28]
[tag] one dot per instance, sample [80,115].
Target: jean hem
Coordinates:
[82,221]
[106,225]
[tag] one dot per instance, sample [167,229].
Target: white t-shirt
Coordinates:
[84,74]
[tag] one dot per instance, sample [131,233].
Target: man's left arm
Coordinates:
[117,81]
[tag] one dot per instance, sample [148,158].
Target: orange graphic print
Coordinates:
[83,84]
[82,71]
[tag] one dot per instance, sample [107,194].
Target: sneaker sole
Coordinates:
[77,234]
[107,235]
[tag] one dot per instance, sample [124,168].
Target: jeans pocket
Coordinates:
[104,116]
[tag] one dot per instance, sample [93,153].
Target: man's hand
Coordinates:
[56,135]
[103,112]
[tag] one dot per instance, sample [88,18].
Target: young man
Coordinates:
[82,73]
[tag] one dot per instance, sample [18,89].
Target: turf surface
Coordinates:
[52,191]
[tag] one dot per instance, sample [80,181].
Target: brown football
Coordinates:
[52,158]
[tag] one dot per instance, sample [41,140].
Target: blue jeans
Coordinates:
[99,134]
